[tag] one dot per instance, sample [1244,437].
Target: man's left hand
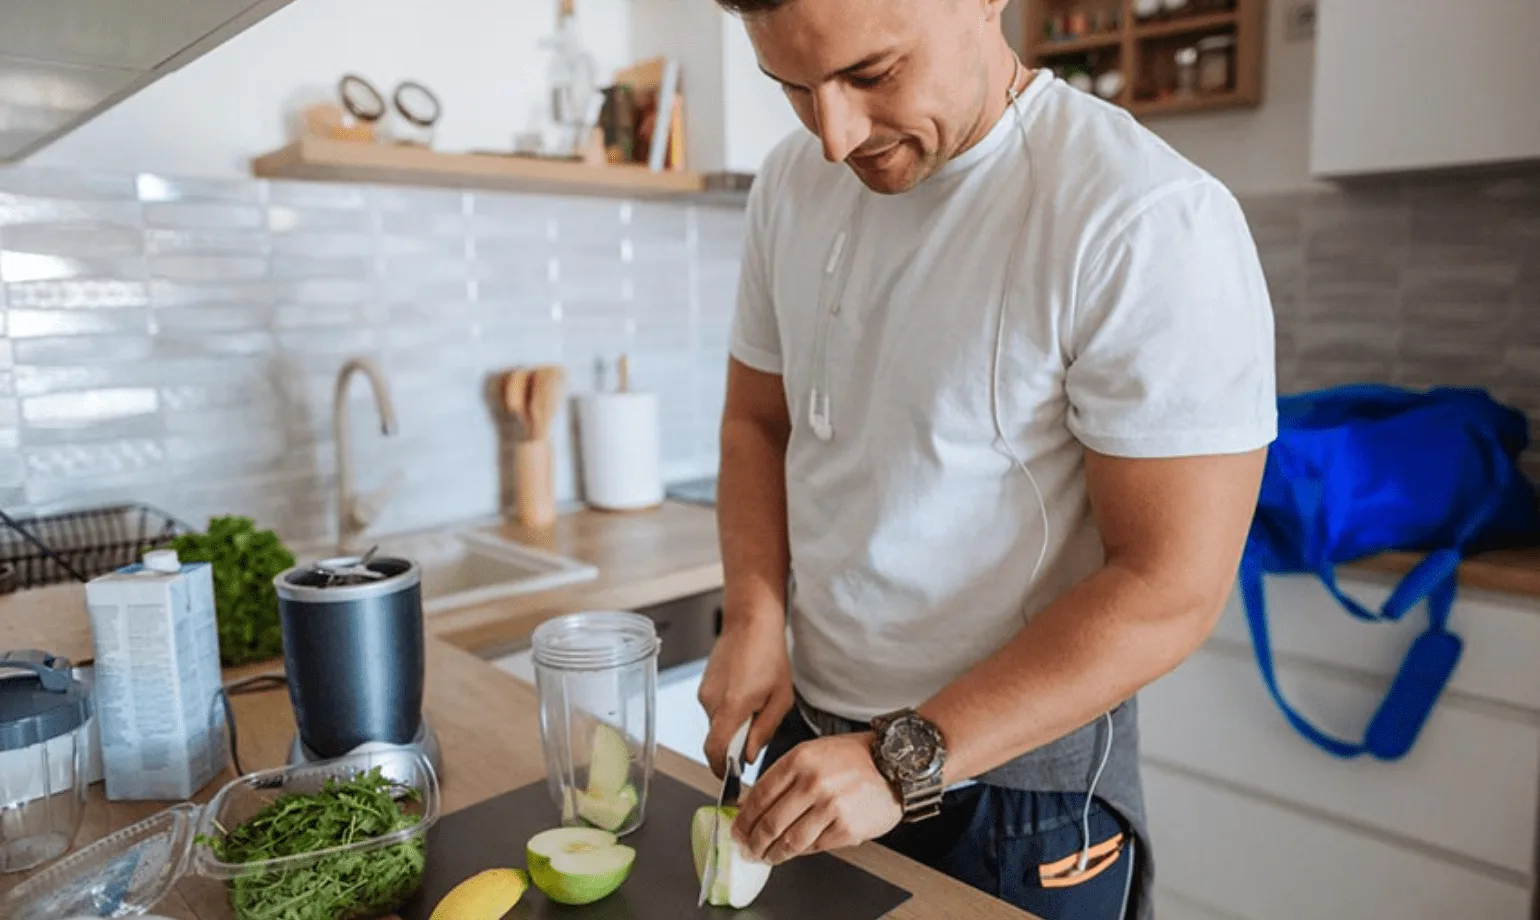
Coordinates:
[824,794]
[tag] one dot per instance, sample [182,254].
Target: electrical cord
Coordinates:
[256,683]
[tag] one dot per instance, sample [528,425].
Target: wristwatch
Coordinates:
[910,752]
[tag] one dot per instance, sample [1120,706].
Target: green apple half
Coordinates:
[739,878]
[577,865]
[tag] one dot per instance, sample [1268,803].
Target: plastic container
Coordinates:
[129,872]
[597,678]
[45,743]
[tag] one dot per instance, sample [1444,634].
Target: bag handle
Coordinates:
[1419,682]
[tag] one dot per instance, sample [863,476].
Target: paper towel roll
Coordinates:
[618,434]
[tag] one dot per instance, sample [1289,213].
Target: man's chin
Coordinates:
[892,175]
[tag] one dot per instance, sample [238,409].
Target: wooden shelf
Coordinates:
[1186,25]
[1079,45]
[1177,104]
[326,160]
[1146,51]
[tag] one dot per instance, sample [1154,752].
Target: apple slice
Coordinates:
[607,812]
[577,865]
[609,762]
[739,878]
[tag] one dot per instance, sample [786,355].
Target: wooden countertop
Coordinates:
[487,724]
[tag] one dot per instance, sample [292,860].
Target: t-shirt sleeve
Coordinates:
[1172,339]
[756,338]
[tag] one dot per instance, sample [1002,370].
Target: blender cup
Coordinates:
[597,678]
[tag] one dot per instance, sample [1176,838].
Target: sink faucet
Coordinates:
[355,513]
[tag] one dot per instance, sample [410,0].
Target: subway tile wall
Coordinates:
[177,341]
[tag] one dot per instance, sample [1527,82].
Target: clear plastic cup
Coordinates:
[597,678]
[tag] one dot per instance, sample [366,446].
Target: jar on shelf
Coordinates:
[1186,71]
[1215,60]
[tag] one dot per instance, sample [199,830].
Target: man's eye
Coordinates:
[870,82]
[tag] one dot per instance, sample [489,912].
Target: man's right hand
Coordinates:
[748,674]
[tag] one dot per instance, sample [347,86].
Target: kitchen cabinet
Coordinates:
[1242,807]
[734,114]
[1416,84]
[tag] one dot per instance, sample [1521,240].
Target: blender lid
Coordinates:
[39,699]
[122,875]
[347,578]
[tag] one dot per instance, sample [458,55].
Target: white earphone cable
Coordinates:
[1042,504]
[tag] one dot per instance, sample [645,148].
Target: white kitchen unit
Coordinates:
[1252,822]
[1417,84]
[734,114]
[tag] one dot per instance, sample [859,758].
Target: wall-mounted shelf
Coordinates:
[1098,36]
[327,160]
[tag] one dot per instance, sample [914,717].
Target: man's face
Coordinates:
[893,88]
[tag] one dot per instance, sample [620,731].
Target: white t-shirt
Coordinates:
[1137,323]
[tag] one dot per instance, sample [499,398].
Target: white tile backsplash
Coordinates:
[176,340]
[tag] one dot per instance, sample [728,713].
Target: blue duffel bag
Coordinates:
[1367,468]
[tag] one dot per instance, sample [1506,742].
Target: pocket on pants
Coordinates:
[1039,841]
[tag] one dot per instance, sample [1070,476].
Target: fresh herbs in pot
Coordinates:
[244,561]
[342,886]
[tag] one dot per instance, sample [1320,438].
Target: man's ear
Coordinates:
[993,9]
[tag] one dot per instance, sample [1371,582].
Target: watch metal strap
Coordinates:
[922,800]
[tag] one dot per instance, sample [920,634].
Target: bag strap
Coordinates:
[1423,674]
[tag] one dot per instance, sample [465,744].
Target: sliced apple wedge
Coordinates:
[607,812]
[739,878]
[577,865]
[485,896]
[609,762]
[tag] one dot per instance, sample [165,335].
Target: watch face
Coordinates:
[910,746]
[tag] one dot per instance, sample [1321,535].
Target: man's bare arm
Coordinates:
[748,671]
[1173,530]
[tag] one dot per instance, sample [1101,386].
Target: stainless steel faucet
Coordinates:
[356,513]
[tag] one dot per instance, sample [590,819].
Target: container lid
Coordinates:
[346,578]
[124,874]
[162,560]
[39,699]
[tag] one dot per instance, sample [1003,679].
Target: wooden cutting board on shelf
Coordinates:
[662,883]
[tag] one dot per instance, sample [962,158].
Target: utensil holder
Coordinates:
[534,483]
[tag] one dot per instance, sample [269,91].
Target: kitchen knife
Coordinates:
[732,785]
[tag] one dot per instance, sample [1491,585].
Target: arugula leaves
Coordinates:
[344,886]
[245,561]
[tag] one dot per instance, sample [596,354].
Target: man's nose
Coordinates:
[842,126]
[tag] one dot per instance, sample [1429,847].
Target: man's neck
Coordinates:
[1006,76]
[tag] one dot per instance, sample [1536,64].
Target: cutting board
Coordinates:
[662,884]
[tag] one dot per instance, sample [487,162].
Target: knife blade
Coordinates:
[732,784]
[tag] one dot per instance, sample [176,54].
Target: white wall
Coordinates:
[479,56]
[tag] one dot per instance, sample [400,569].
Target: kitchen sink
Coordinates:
[462,567]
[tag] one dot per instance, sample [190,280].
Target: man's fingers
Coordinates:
[796,799]
[724,722]
[766,721]
[801,836]
[763,795]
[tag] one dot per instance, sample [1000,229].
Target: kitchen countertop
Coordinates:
[487,724]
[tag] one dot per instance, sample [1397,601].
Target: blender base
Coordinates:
[426,742]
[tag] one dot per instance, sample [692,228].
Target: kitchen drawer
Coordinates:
[1469,785]
[687,627]
[1252,860]
[1501,634]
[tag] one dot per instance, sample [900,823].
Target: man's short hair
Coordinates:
[752,6]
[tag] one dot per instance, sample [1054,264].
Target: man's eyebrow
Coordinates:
[871,60]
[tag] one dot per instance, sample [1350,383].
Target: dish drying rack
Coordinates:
[79,545]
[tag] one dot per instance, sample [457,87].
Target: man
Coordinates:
[999,399]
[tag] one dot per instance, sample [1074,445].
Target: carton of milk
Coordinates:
[157,678]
